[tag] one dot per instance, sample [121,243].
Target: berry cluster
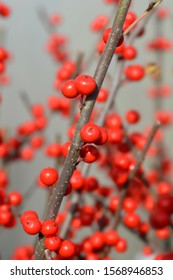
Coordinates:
[120,189]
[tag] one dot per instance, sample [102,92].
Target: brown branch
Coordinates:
[72,157]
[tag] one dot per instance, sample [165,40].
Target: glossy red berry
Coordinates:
[163,233]
[121,245]
[77,181]
[67,249]
[52,243]
[69,90]
[111,237]
[5,217]
[85,84]
[97,240]
[134,72]
[103,137]
[31,225]
[129,204]
[89,153]
[132,220]
[49,176]
[90,133]
[28,214]
[49,227]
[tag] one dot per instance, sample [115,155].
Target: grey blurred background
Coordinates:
[33,70]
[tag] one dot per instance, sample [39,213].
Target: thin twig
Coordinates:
[44,18]
[150,8]
[26,101]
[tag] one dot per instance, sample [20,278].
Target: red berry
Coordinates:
[90,133]
[130,17]
[28,214]
[111,237]
[36,142]
[3,54]
[102,95]
[69,90]
[121,245]
[49,227]
[132,116]
[27,153]
[91,184]
[31,225]
[165,202]
[5,217]
[129,52]
[159,219]
[77,181]
[99,23]
[37,110]
[67,249]
[113,204]
[68,189]
[92,256]
[163,233]
[103,138]
[89,153]
[134,72]
[54,150]
[14,198]
[52,243]
[164,188]
[97,240]
[129,204]
[131,220]
[49,176]
[85,84]
[113,120]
